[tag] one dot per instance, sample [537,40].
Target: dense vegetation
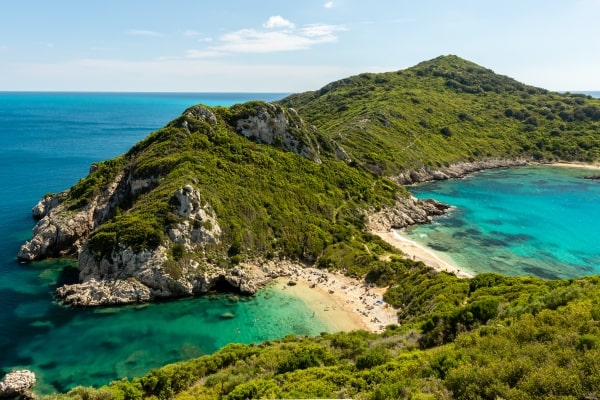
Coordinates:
[486,337]
[447,110]
[267,201]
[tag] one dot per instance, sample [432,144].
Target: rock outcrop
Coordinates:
[272,125]
[16,384]
[60,231]
[127,275]
[405,212]
[457,170]
[245,278]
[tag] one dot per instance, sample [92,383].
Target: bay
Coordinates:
[47,143]
[537,220]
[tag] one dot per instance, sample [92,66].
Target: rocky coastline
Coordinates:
[127,276]
[457,170]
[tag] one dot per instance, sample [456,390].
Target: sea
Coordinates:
[524,221]
[537,220]
[47,143]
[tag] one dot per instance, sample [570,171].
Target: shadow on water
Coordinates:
[68,275]
[540,272]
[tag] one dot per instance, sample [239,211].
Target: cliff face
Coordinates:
[60,231]
[271,124]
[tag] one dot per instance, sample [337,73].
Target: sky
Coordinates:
[287,46]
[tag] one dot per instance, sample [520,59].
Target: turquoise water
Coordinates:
[538,220]
[47,143]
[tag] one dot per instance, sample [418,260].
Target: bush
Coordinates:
[587,342]
[446,132]
[306,356]
[375,356]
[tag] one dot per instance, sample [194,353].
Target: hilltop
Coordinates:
[234,196]
[447,111]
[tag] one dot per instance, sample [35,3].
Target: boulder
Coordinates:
[17,384]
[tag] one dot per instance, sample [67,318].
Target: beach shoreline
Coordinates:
[575,165]
[345,304]
[340,302]
[418,252]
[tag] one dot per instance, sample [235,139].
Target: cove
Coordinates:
[68,347]
[536,220]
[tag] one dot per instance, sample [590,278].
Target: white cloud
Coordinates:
[190,33]
[329,4]
[277,21]
[143,32]
[280,35]
[323,33]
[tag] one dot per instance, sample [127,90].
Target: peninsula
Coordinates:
[240,196]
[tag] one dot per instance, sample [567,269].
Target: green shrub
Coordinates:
[373,357]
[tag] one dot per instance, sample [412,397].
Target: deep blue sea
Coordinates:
[47,143]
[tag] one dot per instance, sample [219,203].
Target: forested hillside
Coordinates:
[448,110]
[300,180]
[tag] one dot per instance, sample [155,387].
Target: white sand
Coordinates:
[418,252]
[342,303]
[346,304]
[575,165]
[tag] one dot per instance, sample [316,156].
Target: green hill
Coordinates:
[449,110]
[302,180]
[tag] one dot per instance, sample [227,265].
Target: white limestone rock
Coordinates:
[104,292]
[271,125]
[46,204]
[405,212]
[61,231]
[199,226]
[17,383]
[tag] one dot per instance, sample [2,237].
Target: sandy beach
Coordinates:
[575,165]
[346,304]
[342,303]
[418,252]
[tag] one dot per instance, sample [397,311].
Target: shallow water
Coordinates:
[537,220]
